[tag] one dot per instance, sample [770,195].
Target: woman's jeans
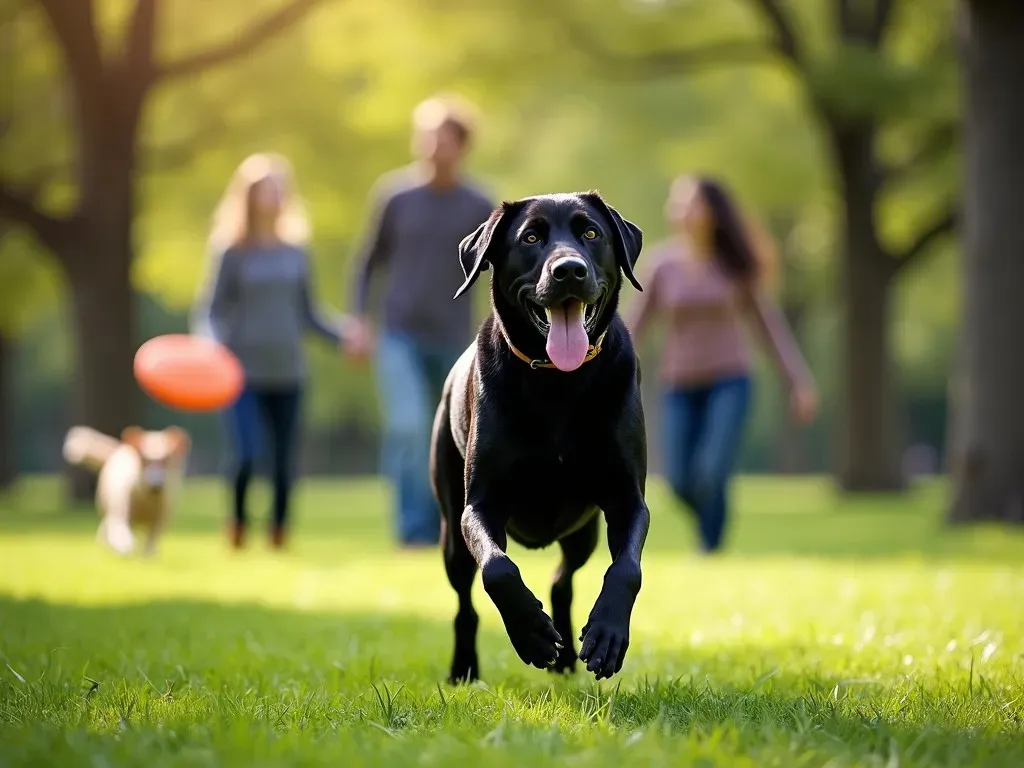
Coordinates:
[276,410]
[703,427]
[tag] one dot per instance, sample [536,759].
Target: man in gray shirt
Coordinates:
[421,214]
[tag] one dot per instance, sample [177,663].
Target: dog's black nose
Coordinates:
[569,269]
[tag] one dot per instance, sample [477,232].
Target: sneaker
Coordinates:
[277,537]
[236,535]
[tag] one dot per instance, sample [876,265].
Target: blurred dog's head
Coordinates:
[162,453]
[558,261]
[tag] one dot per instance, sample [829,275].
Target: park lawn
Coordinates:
[834,633]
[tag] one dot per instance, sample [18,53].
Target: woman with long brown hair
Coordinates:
[708,279]
[259,304]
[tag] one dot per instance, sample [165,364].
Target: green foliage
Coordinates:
[834,633]
[335,95]
[29,283]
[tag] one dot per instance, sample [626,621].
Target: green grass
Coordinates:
[834,633]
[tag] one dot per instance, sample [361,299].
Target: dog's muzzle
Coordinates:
[153,477]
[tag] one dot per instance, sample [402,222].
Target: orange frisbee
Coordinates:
[189,373]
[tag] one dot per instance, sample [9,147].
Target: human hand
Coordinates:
[358,339]
[804,403]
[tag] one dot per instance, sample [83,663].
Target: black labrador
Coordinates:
[540,426]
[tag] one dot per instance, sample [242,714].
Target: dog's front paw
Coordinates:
[534,637]
[604,646]
[120,539]
[531,631]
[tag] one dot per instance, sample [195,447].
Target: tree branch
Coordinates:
[666,63]
[138,49]
[40,176]
[177,155]
[880,20]
[19,208]
[785,39]
[943,225]
[244,42]
[166,157]
[845,16]
[862,23]
[931,148]
[74,26]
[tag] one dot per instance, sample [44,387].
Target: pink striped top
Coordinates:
[705,309]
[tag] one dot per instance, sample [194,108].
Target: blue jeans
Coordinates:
[703,427]
[278,411]
[410,375]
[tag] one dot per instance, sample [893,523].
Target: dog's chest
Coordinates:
[556,443]
[560,470]
[147,507]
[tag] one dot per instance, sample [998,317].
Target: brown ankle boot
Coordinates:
[277,537]
[236,535]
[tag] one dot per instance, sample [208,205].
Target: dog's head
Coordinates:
[558,262]
[162,454]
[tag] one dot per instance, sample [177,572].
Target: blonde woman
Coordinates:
[259,304]
[706,280]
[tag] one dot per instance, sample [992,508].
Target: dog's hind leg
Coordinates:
[153,536]
[461,569]
[447,467]
[577,548]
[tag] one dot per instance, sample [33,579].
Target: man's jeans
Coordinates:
[410,375]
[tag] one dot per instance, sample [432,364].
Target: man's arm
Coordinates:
[376,250]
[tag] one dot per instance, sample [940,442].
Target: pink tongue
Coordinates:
[567,338]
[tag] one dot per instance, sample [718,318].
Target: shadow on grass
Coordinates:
[166,665]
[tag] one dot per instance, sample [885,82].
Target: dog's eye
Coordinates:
[530,237]
[590,233]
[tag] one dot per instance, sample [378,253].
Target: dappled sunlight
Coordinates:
[893,599]
[828,264]
[292,673]
[792,643]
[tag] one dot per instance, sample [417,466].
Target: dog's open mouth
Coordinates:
[566,326]
[539,315]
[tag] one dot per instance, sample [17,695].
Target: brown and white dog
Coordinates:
[139,478]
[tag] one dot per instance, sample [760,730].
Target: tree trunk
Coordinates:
[956,399]
[990,483]
[103,301]
[8,460]
[868,450]
[106,394]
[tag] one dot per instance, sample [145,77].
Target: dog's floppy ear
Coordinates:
[132,436]
[473,250]
[180,440]
[627,236]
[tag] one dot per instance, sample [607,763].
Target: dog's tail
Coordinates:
[85,447]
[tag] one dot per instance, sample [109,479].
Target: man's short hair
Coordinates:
[446,110]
